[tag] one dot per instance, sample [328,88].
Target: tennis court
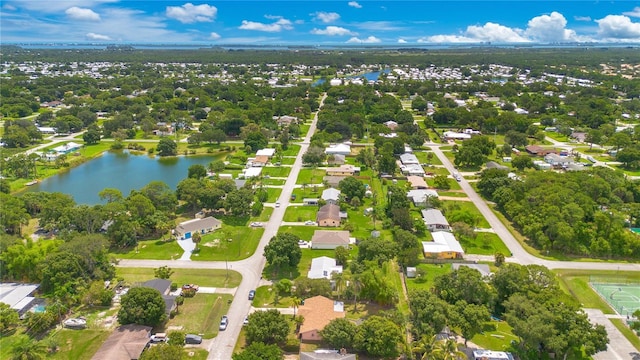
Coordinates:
[623,298]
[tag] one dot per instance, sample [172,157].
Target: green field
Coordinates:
[201,314]
[484,244]
[202,277]
[300,213]
[310,176]
[77,344]
[432,271]
[276,171]
[151,249]
[230,243]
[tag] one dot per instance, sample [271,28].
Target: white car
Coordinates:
[223,323]
[158,338]
[246,321]
[302,243]
[277,204]
[257,224]
[309,222]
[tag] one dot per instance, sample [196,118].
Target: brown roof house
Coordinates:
[260,161]
[127,342]
[417,182]
[343,170]
[318,312]
[329,215]
[539,150]
[184,230]
[330,239]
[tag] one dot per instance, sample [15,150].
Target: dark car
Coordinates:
[252,294]
[192,339]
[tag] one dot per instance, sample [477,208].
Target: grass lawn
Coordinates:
[496,336]
[303,232]
[151,249]
[431,272]
[424,158]
[288,160]
[77,344]
[272,181]
[300,213]
[274,194]
[309,192]
[576,283]
[557,136]
[202,277]
[217,247]
[276,171]
[627,332]
[484,244]
[310,176]
[467,206]
[201,314]
[292,150]
[452,194]
[265,215]
[453,184]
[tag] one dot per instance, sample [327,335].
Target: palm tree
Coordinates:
[196,238]
[340,283]
[356,283]
[426,347]
[448,350]
[295,301]
[27,348]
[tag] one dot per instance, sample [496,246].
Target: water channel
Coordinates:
[119,170]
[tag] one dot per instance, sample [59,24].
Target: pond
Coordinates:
[370,76]
[122,171]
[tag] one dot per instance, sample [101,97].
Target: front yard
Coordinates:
[201,314]
[229,243]
[202,277]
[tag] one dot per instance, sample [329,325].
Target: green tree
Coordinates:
[91,136]
[256,141]
[471,319]
[283,250]
[269,327]
[426,347]
[163,352]
[314,156]
[163,272]
[197,171]
[469,156]
[13,214]
[342,255]
[26,348]
[259,351]
[216,166]
[441,182]
[238,202]
[339,333]
[429,314]
[110,194]
[463,284]
[143,306]
[521,162]
[9,318]
[176,338]
[409,248]
[379,337]
[352,188]
[167,147]
[448,350]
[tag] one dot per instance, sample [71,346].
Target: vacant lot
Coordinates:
[202,277]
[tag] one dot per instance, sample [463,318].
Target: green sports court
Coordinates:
[623,298]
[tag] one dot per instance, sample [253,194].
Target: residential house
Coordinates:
[321,354]
[481,354]
[336,159]
[452,135]
[443,246]
[419,197]
[164,288]
[435,221]
[343,170]
[556,160]
[260,161]
[67,148]
[495,165]
[417,182]
[268,152]
[251,172]
[412,170]
[578,136]
[333,181]
[331,196]
[338,149]
[186,229]
[391,124]
[285,120]
[317,312]
[328,216]
[408,159]
[239,183]
[126,342]
[18,296]
[322,267]
[538,150]
[330,239]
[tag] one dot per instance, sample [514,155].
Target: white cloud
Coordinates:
[448,39]
[99,37]
[378,26]
[332,31]
[618,27]
[189,13]
[214,36]
[9,7]
[355,4]
[281,24]
[582,18]
[83,14]
[633,13]
[369,40]
[326,17]
[495,33]
[402,41]
[550,28]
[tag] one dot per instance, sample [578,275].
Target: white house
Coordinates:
[557,160]
[443,246]
[268,152]
[252,172]
[67,148]
[412,170]
[339,149]
[451,135]
[408,159]
[186,229]
[331,195]
[435,221]
[322,268]
[419,196]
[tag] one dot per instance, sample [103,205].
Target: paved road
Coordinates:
[619,347]
[519,254]
[221,348]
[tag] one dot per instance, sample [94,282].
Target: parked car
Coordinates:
[302,243]
[192,339]
[252,294]
[277,204]
[190,286]
[223,323]
[158,338]
[257,224]
[246,321]
[309,222]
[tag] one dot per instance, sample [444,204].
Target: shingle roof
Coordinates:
[329,211]
[331,194]
[340,237]
[317,312]
[198,224]
[434,216]
[125,343]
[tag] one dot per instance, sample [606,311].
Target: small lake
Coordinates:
[370,76]
[122,171]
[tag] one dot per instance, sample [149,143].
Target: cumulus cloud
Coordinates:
[618,27]
[332,31]
[369,40]
[326,17]
[550,28]
[281,24]
[82,14]
[189,13]
[448,39]
[582,18]
[633,13]
[495,33]
[402,41]
[355,4]
[214,36]
[98,37]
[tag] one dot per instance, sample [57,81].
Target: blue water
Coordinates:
[370,76]
[40,308]
[119,170]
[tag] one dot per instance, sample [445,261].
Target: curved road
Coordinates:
[222,346]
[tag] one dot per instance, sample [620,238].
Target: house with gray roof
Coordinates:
[331,196]
[185,230]
[435,221]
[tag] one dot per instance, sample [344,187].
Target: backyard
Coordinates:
[201,277]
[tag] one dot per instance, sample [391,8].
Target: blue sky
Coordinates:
[319,22]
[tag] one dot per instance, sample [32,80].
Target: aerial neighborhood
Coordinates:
[277,205]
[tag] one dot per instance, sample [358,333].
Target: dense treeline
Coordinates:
[580,213]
